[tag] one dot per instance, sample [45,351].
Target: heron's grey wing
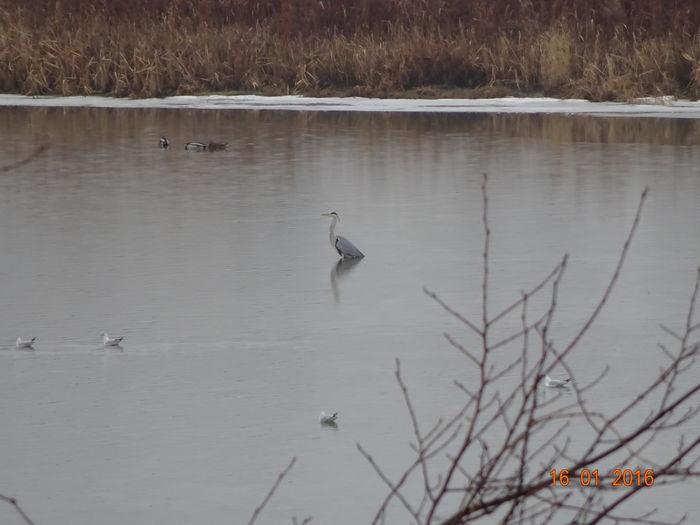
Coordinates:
[346,248]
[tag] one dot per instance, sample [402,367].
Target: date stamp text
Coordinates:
[619,478]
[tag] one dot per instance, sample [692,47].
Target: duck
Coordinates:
[206,146]
[164,143]
[196,146]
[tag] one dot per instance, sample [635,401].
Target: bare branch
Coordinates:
[452,311]
[416,431]
[613,279]
[487,239]
[394,488]
[671,332]
[513,431]
[558,268]
[272,491]
[13,502]
[460,348]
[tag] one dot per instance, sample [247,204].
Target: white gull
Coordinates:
[326,419]
[25,344]
[108,341]
[556,383]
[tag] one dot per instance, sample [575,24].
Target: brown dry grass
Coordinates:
[597,49]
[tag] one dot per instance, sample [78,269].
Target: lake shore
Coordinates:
[660,107]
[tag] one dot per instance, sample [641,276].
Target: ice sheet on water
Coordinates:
[648,107]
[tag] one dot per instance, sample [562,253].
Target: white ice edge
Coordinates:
[646,107]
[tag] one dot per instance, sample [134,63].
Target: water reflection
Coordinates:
[547,393]
[116,348]
[250,133]
[339,271]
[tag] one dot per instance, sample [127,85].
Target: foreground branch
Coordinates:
[513,430]
[13,502]
[272,491]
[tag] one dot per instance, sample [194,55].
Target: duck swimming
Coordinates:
[196,146]
[206,146]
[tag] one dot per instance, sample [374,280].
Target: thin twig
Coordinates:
[13,502]
[272,491]
[452,311]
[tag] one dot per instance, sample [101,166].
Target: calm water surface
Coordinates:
[240,325]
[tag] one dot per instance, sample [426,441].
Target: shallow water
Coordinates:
[240,324]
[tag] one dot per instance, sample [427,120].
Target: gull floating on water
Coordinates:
[556,383]
[25,344]
[108,341]
[326,419]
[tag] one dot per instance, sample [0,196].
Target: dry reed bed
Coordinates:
[379,48]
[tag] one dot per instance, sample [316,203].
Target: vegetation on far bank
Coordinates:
[594,49]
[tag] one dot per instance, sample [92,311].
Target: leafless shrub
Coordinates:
[493,459]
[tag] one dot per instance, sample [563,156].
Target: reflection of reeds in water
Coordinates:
[249,133]
[599,49]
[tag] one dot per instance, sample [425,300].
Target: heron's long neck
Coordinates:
[334,221]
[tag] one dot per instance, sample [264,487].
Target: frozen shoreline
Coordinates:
[659,107]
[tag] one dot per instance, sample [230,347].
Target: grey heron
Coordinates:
[25,344]
[108,341]
[556,383]
[343,246]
